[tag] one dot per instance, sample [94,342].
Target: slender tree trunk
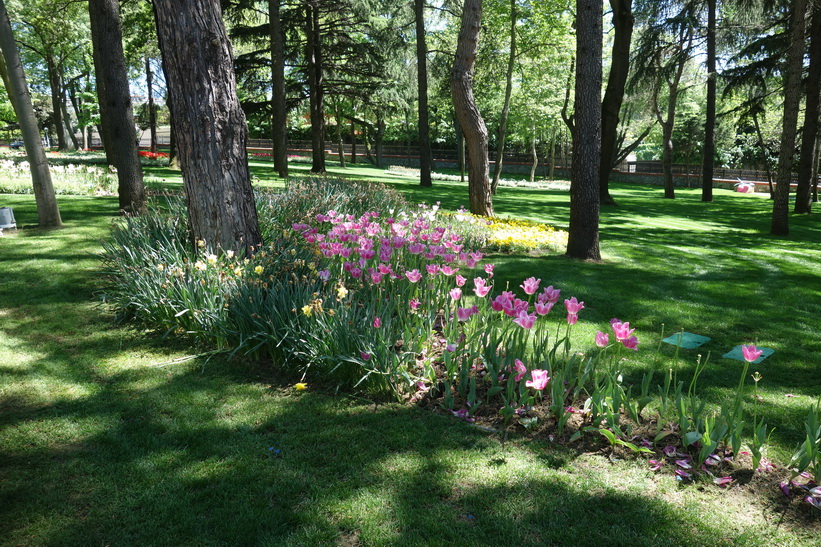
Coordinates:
[710,118]
[764,154]
[614,94]
[210,124]
[315,90]
[534,155]
[48,213]
[816,160]
[792,99]
[71,138]
[114,96]
[152,113]
[54,83]
[407,137]
[803,200]
[366,140]
[380,136]
[425,158]
[353,141]
[583,238]
[279,130]
[667,155]
[339,141]
[467,113]
[552,151]
[511,61]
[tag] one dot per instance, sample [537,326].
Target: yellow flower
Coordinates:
[161,267]
[301,386]
[258,270]
[200,243]
[211,258]
[341,292]
[200,265]
[238,271]
[229,253]
[307,309]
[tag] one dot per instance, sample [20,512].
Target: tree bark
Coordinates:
[425,157]
[763,148]
[48,213]
[511,60]
[583,235]
[792,99]
[339,142]
[209,124]
[54,81]
[803,197]
[379,139]
[152,113]
[467,113]
[114,97]
[534,155]
[353,141]
[710,118]
[315,89]
[71,138]
[279,128]
[623,21]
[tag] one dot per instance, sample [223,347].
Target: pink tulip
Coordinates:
[530,285]
[376,277]
[550,294]
[572,318]
[413,276]
[414,303]
[377,322]
[622,331]
[525,320]
[489,269]
[365,356]
[324,275]
[631,343]
[602,339]
[573,305]
[450,347]
[449,270]
[433,269]
[481,289]
[521,369]
[539,379]
[751,353]
[543,309]
[460,281]
[463,314]
[456,293]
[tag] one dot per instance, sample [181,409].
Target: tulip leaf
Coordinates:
[691,437]
[492,392]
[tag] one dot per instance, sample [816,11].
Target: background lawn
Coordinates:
[111,435]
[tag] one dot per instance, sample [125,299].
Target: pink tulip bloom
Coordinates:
[463,314]
[631,343]
[450,347]
[573,305]
[530,285]
[385,269]
[602,339]
[525,320]
[432,269]
[551,295]
[543,309]
[456,293]
[460,281]
[481,289]
[356,273]
[414,303]
[572,318]
[365,356]
[324,275]
[496,304]
[521,370]
[489,269]
[539,379]
[413,275]
[376,277]
[416,248]
[751,353]
[367,254]
[377,322]
[449,270]
[614,321]
[622,331]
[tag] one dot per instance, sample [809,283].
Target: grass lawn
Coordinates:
[110,435]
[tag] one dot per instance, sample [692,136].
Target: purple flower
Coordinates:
[670,451]
[463,314]
[631,343]
[550,294]
[365,356]
[785,488]
[413,275]
[655,465]
[377,322]
[414,303]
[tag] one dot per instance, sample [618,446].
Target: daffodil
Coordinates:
[301,386]
[258,270]
[307,310]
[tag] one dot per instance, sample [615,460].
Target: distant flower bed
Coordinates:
[15,178]
[152,155]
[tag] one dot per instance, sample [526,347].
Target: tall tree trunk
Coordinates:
[803,200]
[460,152]
[315,89]
[764,157]
[511,60]
[583,235]
[152,113]
[534,155]
[815,162]
[379,139]
[552,151]
[54,79]
[71,138]
[279,130]
[339,141]
[11,69]
[425,157]
[467,113]
[114,96]
[353,141]
[614,94]
[366,140]
[792,99]
[210,124]
[173,157]
[710,118]
[667,154]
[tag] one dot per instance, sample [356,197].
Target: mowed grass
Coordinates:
[110,435]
